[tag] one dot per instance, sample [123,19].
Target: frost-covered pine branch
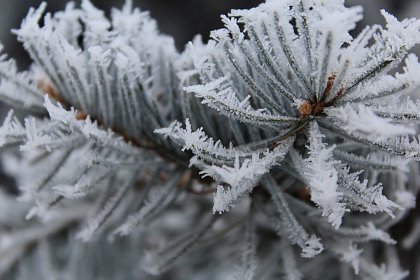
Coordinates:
[284,124]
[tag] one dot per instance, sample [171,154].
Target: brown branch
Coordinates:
[47,87]
[53,93]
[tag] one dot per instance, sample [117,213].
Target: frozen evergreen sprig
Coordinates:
[305,134]
[292,65]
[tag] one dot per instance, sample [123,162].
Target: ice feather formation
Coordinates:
[282,123]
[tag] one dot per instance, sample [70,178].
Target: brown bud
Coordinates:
[305,109]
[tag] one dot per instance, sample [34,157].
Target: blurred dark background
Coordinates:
[180,18]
